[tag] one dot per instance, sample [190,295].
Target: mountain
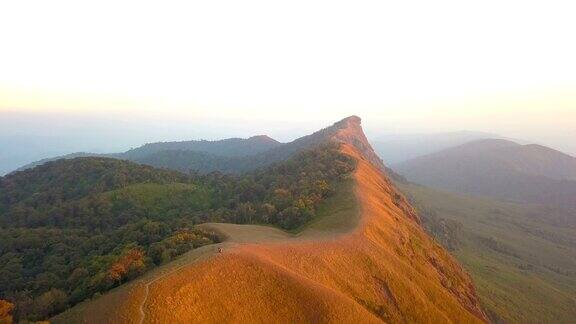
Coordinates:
[19,149]
[229,155]
[62,157]
[227,147]
[394,149]
[522,257]
[208,150]
[500,169]
[363,256]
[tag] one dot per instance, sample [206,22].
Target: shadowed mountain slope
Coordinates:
[522,257]
[394,149]
[499,169]
[383,269]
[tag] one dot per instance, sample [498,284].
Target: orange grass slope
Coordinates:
[387,269]
[384,270]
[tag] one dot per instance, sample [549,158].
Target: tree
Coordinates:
[246,213]
[6,312]
[268,213]
[282,198]
[290,217]
[50,303]
[129,265]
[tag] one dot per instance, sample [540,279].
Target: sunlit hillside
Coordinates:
[384,268]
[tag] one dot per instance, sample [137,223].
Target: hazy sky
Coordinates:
[128,71]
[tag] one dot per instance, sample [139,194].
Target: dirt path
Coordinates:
[338,215]
[234,235]
[199,254]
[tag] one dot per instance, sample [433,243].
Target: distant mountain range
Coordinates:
[207,155]
[234,155]
[398,148]
[500,169]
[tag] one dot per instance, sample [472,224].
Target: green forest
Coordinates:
[73,229]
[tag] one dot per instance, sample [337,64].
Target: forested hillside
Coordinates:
[225,148]
[74,228]
[201,156]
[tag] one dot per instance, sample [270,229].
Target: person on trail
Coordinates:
[219,250]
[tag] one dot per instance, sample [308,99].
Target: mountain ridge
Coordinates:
[230,147]
[385,269]
[234,155]
[226,147]
[396,148]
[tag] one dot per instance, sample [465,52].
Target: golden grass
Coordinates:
[385,269]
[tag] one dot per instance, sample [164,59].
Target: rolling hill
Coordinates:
[363,257]
[500,169]
[227,147]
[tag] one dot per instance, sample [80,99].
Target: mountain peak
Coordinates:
[263,139]
[351,120]
[349,131]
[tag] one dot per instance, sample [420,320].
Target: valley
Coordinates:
[521,257]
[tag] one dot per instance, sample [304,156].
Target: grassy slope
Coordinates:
[386,269]
[531,278]
[337,214]
[160,199]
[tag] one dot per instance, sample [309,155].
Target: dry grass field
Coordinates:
[370,262]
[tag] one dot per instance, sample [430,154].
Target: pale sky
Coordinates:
[225,68]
